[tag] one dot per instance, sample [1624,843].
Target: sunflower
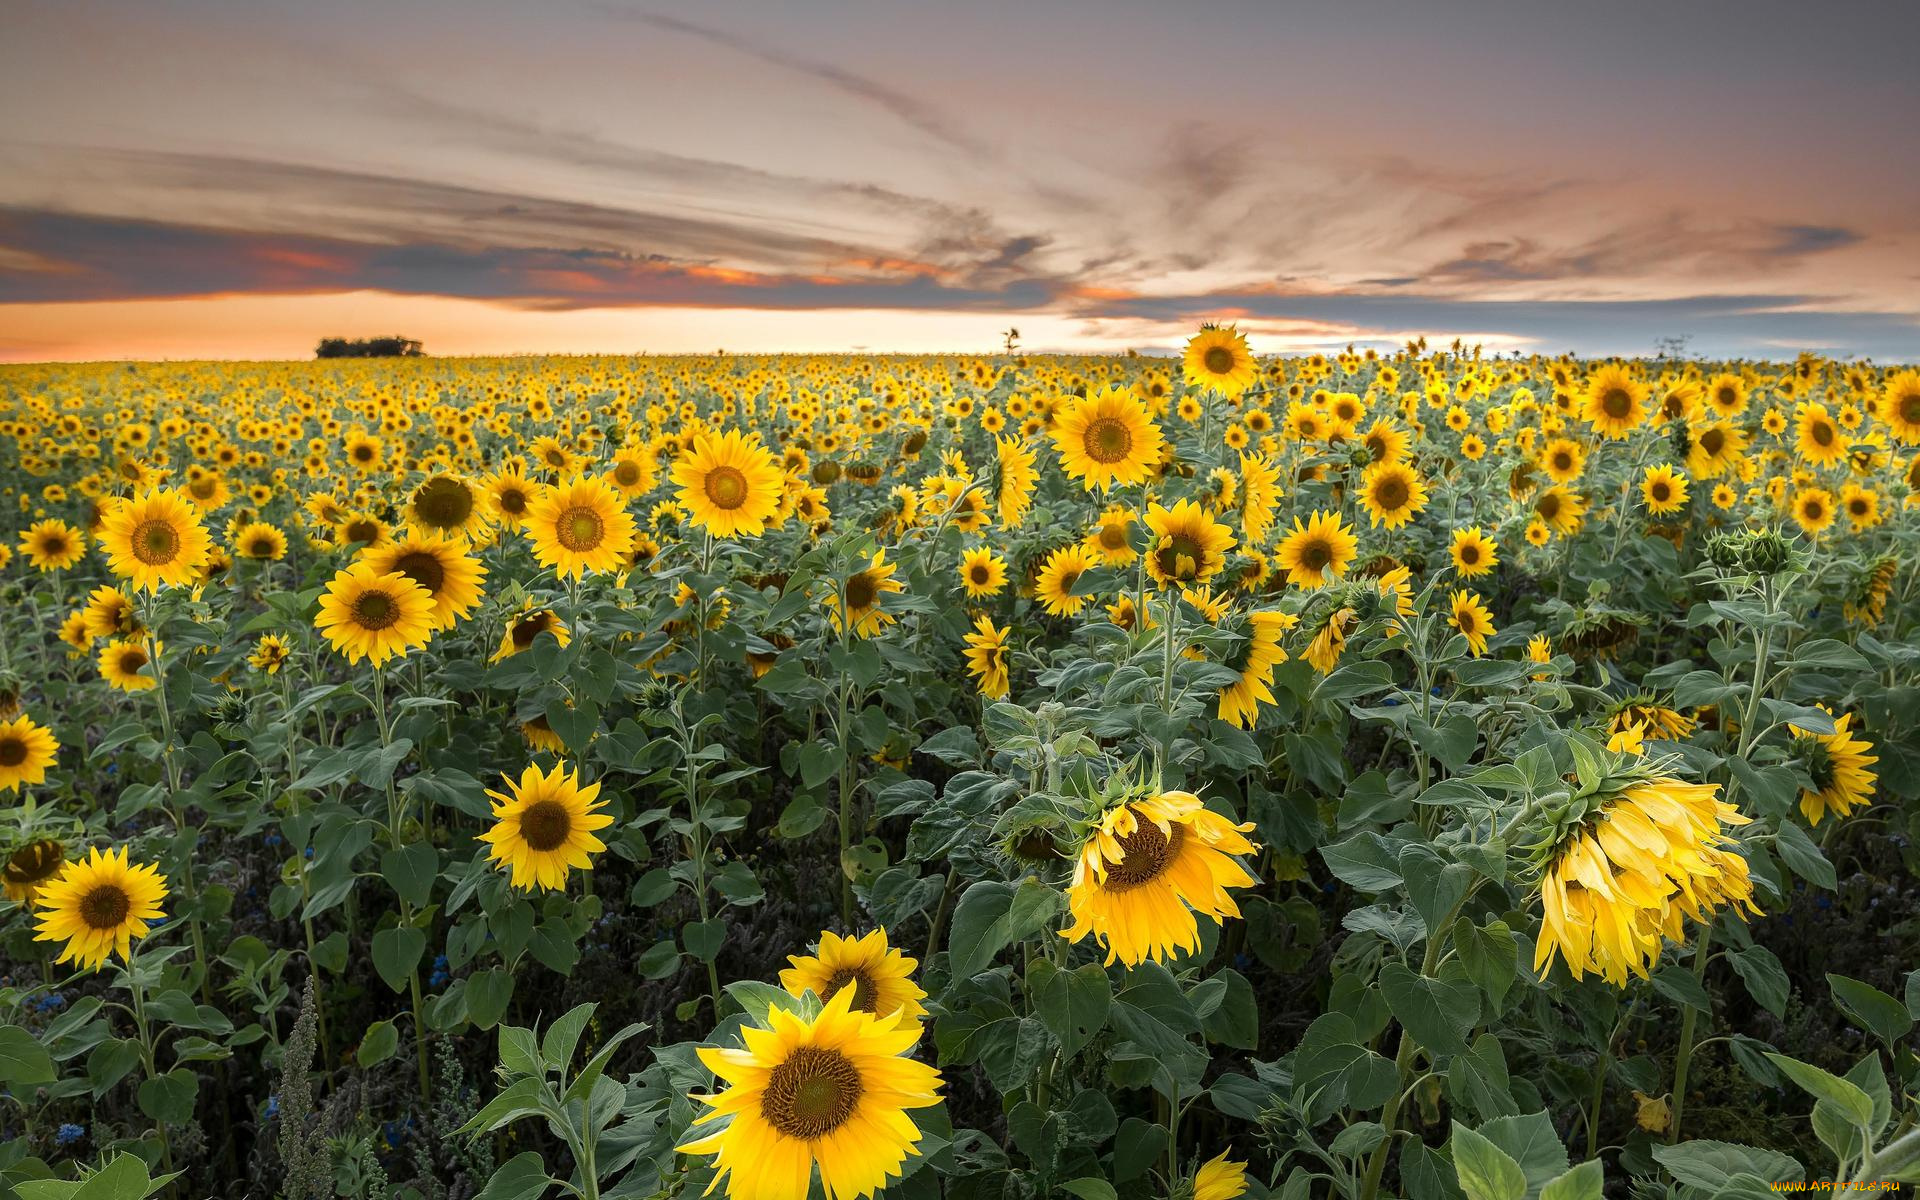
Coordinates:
[987,657]
[1471,618]
[524,627]
[1656,720]
[155,539]
[1188,545]
[1108,438]
[1540,653]
[1220,1178]
[1715,450]
[1017,479]
[1813,509]
[1866,602]
[440,565]
[98,905]
[1838,764]
[26,751]
[1392,493]
[580,525]
[632,471]
[361,529]
[880,977]
[1563,459]
[123,663]
[1900,406]
[1474,553]
[1615,402]
[260,542]
[856,604]
[728,484]
[1727,396]
[1385,441]
[1817,439]
[1259,498]
[374,615]
[1111,538]
[1320,550]
[1058,575]
[110,612]
[830,1092]
[30,868]
[510,497]
[545,827]
[1146,869]
[1664,489]
[982,573]
[1240,700]
[269,653]
[1217,359]
[1559,511]
[53,545]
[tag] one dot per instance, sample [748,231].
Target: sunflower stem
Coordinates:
[171,761]
[1683,1058]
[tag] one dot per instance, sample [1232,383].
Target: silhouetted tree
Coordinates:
[379,347]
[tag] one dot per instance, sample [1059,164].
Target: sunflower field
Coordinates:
[1428,775]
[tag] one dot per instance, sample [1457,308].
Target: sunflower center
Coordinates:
[375,610]
[260,547]
[362,531]
[1616,402]
[443,503]
[35,862]
[865,991]
[1814,510]
[1660,492]
[1909,407]
[1108,440]
[627,473]
[726,487]
[13,751]
[1822,433]
[363,453]
[155,543]
[105,907]
[580,529]
[525,631]
[862,591]
[1315,555]
[1218,360]
[1147,853]
[1469,554]
[1391,492]
[1181,556]
[980,574]
[1113,537]
[133,661]
[1712,440]
[812,1093]
[512,500]
[545,824]
[424,569]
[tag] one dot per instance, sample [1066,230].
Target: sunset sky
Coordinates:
[238,179]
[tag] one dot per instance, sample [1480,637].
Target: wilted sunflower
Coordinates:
[31,867]
[1318,551]
[1838,764]
[26,751]
[524,627]
[880,977]
[1615,403]
[729,484]
[1392,493]
[1474,553]
[1017,479]
[53,545]
[1147,868]
[1255,660]
[545,827]
[155,539]
[830,1092]
[269,653]
[123,663]
[987,657]
[98,905]
[1866,604]
[1471,618]
[1186,545]
[1217,359]
[982,573]
[580,525]
[1058,575]
[1107,438]
[1259,498]
[856,604]
[440,565]
[374,615]
[1658,721]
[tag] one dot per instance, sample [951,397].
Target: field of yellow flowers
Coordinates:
[1424,775]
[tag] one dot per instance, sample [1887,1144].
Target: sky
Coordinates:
[236,180]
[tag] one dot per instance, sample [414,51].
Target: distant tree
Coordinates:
[1672,347]
[1010,340]
[378,347]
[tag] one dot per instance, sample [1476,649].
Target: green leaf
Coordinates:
[1090,1189]
[1710,1164]
[396,952]
[519,1052]
[563,1036]
[522,1177]
[487,995]
[1073,1005]
[1363,863]
[1871,1009]
[982,926]
[1490,954]
[1584,1182]
[170,1098]
[1485,1171]
[410,871]
[377,1044]
[1797,850]
[24,1062]
[1766,979]
[1846,1097]
[1433,884]
[1438,1012]
[1682,987]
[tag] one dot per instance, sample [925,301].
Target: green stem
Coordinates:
[171,761]
[1683,1059]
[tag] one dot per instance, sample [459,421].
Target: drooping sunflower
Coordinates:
[1474,553]
[1817,438]
[526,626]
[110,613]
[1838,764]
[1147,868]
[987,657]
[1058,575]
[53,545]
[1392,493]
[1217,359]
[544,828]
[123,663]
[1615,402]
[1866,601]
[26,751]
[155,539]
[1663,489]
[1108,438]
[831,1093]
[1240,700]
[1471,618]
[1112,537]
[31,867]
[880,977]
[1259,498]
[440,565]
[1018,475]
[98,905]
[1900,406]
[1187,546]
[1618,882]
[374,616]
[855,606]
[269,653]
[982,573]
[1320,550]
[1655,719]
[729,484]
[580,525]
